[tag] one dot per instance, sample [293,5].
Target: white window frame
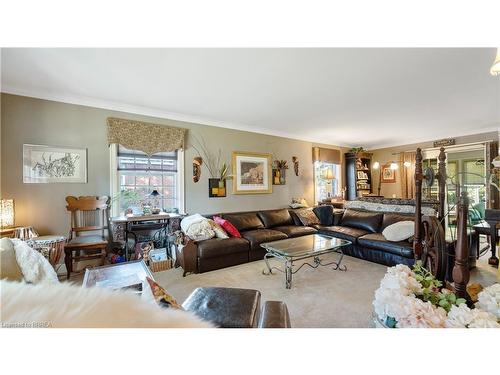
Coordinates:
[337,177]
[115,183]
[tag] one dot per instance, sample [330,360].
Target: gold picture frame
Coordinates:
[252,173]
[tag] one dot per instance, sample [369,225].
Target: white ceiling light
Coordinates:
[495,68]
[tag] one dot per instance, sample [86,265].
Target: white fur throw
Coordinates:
[34,266]
[69,306]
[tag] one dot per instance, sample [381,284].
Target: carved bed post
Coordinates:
[461,266]
[441,182]
[417,241]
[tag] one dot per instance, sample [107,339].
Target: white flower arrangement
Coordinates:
[489,300]
[412,299]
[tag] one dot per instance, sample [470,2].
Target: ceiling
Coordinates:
[373,97]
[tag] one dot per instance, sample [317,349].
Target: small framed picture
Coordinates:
[388,174]
[52,164]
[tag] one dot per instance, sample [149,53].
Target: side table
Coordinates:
[51,247]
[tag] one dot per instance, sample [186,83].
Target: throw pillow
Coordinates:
[200,231]
[400,231]
[307,217]
[228,227]
[161,297]
[219,231]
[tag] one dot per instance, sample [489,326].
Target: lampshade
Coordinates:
[155,193]
[376,165]
[495,68]
[329,175]
[6,213]
[394,165]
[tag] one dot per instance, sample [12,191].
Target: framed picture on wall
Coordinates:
[53,164]
[388,174]
[252,173]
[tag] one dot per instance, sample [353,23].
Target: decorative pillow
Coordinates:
[228,227]
[161,297]
[300,201]
[200,231]
[219,231]
[400,231]
[307,217]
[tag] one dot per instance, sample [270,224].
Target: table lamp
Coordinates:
[155,200]
[7,217]
[329,177]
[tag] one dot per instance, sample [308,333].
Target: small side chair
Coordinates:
[88,237]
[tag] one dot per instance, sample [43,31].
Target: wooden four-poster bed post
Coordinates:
[429,243]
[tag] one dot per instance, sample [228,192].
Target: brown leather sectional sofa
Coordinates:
[362,228]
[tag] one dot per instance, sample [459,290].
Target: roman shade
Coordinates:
[144,136]
[326,155]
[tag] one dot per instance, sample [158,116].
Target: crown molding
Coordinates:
[159,113]
[424,139]
[152,112]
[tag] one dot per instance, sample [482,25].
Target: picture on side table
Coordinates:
[252,173]
[388,174]
[51,164]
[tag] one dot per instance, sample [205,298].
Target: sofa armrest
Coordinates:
[186,256]
[274,314]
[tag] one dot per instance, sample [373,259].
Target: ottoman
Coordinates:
[225,307]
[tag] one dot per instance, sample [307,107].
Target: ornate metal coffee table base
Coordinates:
[289,271]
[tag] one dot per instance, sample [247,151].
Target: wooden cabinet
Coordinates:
[358,174]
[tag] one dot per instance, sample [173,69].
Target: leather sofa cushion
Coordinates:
[216,247]
[345,233]
[391,218]
[369,221]
[258,236]
[273,218]
[295,231]
[378,241]
[244,221]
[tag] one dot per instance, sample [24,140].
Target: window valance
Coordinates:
[326,155]
[144,136]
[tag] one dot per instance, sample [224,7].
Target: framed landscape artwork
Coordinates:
[388,174]
[251,173]
[51,164]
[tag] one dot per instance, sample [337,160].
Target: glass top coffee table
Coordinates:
[127,275]
[310,246]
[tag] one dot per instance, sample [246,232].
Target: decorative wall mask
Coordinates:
[295,161]
[197,162]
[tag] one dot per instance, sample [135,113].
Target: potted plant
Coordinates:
[281,166]
[127,198]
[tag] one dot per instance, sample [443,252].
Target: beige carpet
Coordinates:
[319,297]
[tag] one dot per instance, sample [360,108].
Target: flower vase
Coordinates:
[222,188]
[282,176]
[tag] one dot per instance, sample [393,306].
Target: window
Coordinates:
[326,177]
[474,181]
[135,171]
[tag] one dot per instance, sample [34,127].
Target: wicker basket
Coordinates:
[161,265]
